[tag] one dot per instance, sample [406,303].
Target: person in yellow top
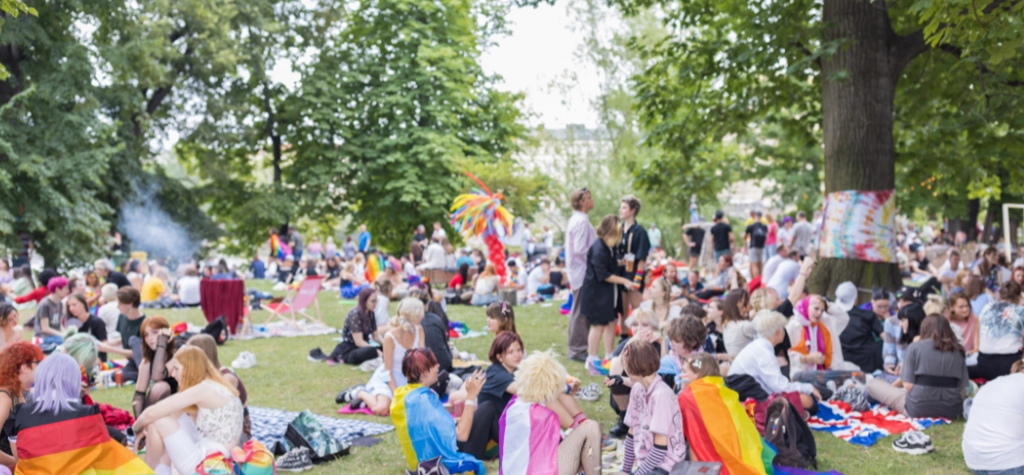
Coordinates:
[751,219]
[156,286]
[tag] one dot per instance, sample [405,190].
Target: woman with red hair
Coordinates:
[17,372]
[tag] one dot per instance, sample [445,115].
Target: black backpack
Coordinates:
[790,435]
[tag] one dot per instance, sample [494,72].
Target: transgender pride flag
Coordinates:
[865,428]
[529,436]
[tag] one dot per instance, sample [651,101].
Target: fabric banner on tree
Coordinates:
[859,225]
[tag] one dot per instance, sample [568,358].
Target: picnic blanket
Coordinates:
[865,428]
[269,425]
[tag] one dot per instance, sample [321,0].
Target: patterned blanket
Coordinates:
[865,428]
[269,425]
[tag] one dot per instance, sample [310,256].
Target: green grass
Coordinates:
[283,378]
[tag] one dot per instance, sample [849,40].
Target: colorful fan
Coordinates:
[480,213]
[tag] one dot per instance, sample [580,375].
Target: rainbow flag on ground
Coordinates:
[529,436]
[426,430]
[91,452]
[719,430]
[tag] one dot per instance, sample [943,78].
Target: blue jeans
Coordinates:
[50,343]
[1009,471]
[483,300]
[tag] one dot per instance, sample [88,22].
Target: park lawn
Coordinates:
[283,378]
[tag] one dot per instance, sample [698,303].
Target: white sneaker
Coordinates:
[370,366]
[245,360]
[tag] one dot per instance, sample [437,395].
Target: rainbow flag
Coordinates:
[719,430]
[426,430]
[278,248]
[375,264]
[90,452]
[529,436]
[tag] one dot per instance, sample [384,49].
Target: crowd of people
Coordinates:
[947,344]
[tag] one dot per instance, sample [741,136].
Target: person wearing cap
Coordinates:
[862,339]
[756,236]
[721,236]
[892,334]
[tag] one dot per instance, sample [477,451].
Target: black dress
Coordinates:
[597,296]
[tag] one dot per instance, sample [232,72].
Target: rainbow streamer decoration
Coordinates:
[480,212]
[278,248]
[529,436]
[719,430]
[375,264]
[426,430]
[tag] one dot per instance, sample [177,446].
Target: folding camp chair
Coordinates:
[296,303]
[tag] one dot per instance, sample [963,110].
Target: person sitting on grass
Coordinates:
[933,378]
[501,317]
[1001,327]
[209,346]
[155,382]
[10,331]
[50,314]
[756,373]
[205,417]
[485,287]
[17,372]
[530,437]
[57,434]
[993,440]
[655,443]
[359,331]
[426,430]
[814,330]
[406,334]
[643,324]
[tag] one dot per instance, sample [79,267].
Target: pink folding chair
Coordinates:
[296,303]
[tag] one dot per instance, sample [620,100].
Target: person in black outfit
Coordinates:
[694,237]
[721,235]
[631,254]
[862,339]
[105,269]
[435,331]
[358,332]
[505,354]
[597,294]
[758,235]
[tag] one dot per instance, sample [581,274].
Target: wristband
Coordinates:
[639,276]
[471,402]
[568,388]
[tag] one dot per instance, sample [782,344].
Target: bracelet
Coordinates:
[471,402]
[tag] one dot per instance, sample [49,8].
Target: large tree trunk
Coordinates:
[858,86]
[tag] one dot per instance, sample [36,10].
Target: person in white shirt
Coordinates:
[784,274]
[188,288]
[782,252]
[434,257]
[758,360]
[549,238]
[537,282]
[108,311]
[579,236]
[439,232]
[654,235]
[993,440]
[947,272]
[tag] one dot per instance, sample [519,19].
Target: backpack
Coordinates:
[306,431]
[218,329]
[790,435]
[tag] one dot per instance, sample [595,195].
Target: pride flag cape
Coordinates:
[91,452]
[426,430]
[277,248]
[719,430]
[529,435]
[865,428]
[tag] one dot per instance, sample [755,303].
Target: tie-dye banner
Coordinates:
[859,225]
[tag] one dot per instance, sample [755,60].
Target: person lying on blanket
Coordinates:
[530,431]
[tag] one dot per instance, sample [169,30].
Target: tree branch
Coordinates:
[982,69]
[807,51]
[903,50]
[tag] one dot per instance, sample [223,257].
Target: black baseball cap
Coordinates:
[719,214]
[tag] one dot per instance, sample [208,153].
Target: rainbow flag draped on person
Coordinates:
[375,264]
[529,436]
[426,430]
[278,248]
[719,430]
[90,451]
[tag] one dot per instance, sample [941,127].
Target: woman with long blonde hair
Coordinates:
[204,417]
[485,287]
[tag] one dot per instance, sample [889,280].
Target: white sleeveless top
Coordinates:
[399,354]
[220,429]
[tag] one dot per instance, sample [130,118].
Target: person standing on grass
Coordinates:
[364,239]
[722,237]
[598,296]
[756,235]
[802,234]
[654,234]
[693,237]
[579,236]
[632,256]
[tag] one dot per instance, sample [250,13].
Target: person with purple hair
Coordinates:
[50,314]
